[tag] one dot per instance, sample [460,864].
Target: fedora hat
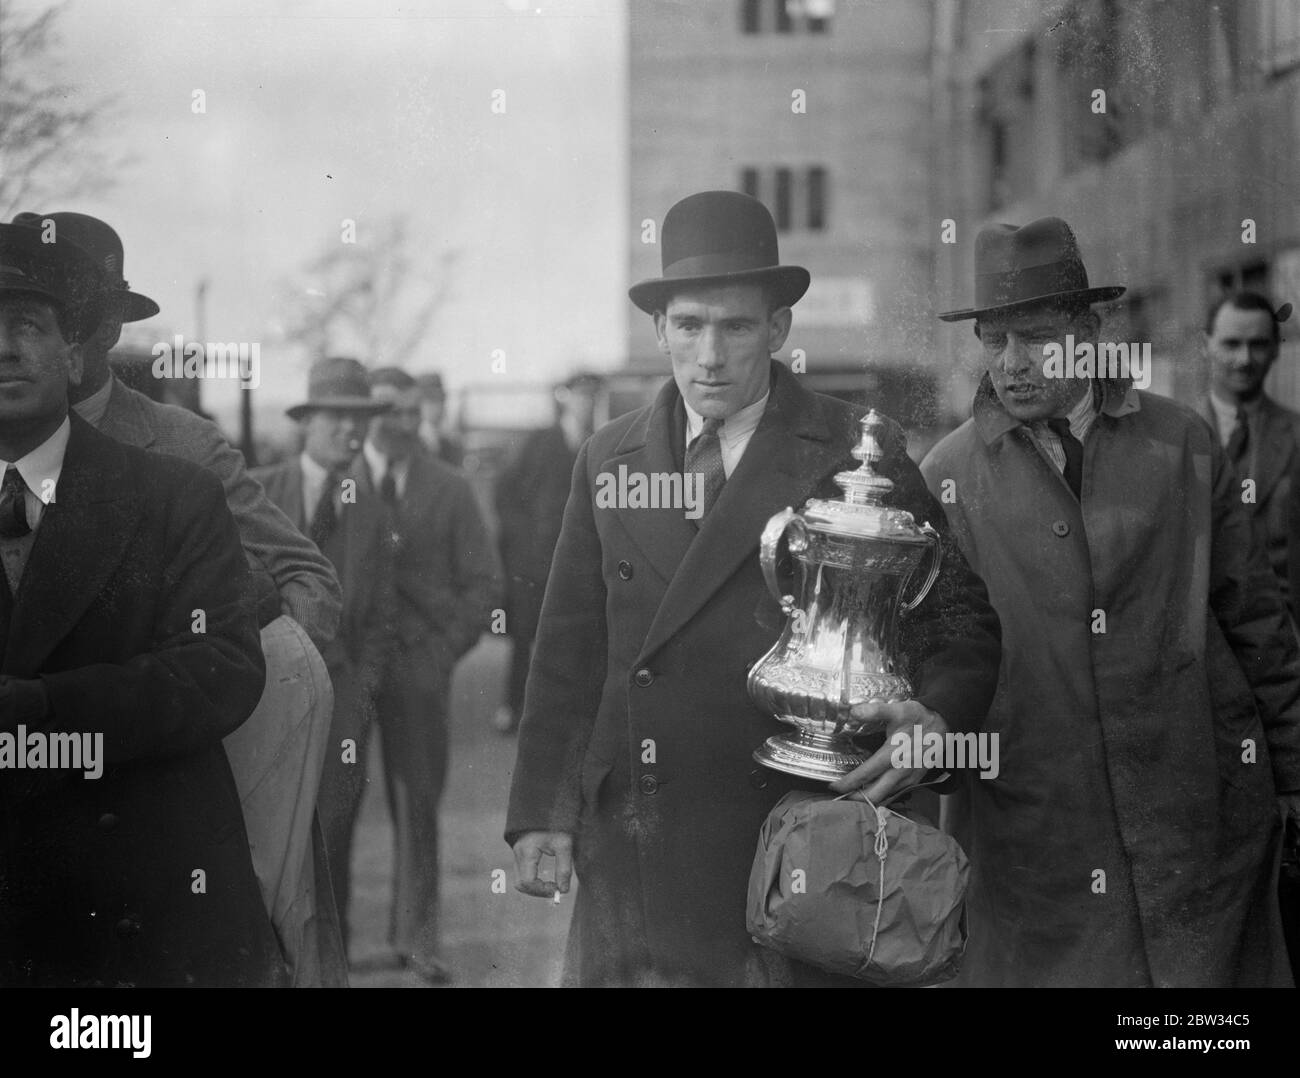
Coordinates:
[337,383]
[104,246]
[1039,261]
[719,237]
[62,273]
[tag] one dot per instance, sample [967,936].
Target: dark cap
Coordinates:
[337,383]
[60,272]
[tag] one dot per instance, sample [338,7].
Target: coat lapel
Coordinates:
[80,541]
[1273,458]
[124,419]
[663,535]
[790,453]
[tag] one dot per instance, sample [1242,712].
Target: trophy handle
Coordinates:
[936,560]
[770,540]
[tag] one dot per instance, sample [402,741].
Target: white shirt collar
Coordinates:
[42,467]
[735,427]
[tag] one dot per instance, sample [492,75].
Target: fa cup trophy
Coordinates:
[839,645]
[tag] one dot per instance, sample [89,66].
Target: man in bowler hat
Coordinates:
[1148,712]
[277,754]
[634,762]
[327,493]
[127,629]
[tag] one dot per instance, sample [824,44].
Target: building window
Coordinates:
[816,198]
[787,16]
[799,197]
[782,208]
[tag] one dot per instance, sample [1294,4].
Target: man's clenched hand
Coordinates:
[529,849]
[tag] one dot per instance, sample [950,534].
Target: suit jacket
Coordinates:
[98,877]
[648,632]
[361,551]
[447,573]
[1276,456]
[306,582]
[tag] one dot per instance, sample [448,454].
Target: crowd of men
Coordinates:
[1111,603]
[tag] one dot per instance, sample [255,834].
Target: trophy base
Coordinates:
[810,756]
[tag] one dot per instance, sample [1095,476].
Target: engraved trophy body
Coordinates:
[839,645]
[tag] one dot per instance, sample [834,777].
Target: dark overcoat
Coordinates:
[638,731]
[1147,707]
[98,876]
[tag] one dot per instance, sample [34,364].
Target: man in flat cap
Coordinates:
[530,496]
[634,761]
[277,755]
[326,491]
[128,650]
[1148,709]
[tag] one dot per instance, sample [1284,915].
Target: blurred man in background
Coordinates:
[326,492]
[447,579]
[530,496]
[433,417]
[1260,436]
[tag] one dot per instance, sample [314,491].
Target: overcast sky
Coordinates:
[320,111]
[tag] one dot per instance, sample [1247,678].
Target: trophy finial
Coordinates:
[863,486]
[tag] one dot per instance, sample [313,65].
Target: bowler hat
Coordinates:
[104,246]
[719,238]
[337,383]
[1015,267]
[60,272]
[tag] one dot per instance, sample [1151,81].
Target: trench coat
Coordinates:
[637,729]
[1147,707]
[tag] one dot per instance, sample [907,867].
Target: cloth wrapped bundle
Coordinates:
[861,891]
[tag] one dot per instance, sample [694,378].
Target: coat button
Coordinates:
[649,784]
[126,928]
[107,822]
[643,678]
[1061,528]
[625,570]
[758,779]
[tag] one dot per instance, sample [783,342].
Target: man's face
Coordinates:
[396,432]
[1241,348]
[36,364]
[1013,353]
[432,410]
[720,340]
[332,436]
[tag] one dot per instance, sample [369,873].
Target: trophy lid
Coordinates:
[863,511]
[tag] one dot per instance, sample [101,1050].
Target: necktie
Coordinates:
[704,455]
[1073,454]
[1239,439]
[325,518]
[13,505]
[388,489]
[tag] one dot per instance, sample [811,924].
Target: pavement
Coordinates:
[493,937]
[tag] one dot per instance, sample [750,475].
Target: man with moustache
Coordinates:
[530,496]
[277,755]
[1148,710]
[634,761]
[1260,437]
[326,492]
[447,579]
[125,614]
